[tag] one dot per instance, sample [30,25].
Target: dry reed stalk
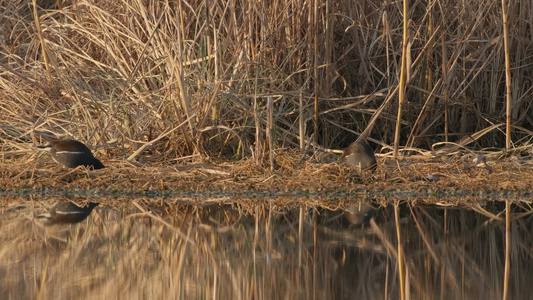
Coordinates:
[444,80]
[43,277]
[403,81]
[301,127]
[300,235]
[254,282]
[183,98]
[424,236]
[328,36]
[258,146]
[445,252]
[508,107]
[508,248]
[315,253]
[315,69]
[400,258]
[40,35]
[268,234]
[269,133]
[421,117]
[445,88]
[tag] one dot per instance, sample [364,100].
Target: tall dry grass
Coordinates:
[194,77]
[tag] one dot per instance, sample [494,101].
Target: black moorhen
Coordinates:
[71,153]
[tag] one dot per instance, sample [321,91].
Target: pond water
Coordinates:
[159,248]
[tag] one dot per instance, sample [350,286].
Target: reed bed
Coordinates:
[192,79]
[163,90]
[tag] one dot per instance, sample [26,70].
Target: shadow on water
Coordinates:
[148,249]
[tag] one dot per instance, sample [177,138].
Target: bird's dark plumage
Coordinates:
[360,154]
[71,153]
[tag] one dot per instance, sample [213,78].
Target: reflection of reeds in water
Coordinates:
[151,251]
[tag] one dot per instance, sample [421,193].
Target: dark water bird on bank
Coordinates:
[68,213]
[359,154]
[71,153]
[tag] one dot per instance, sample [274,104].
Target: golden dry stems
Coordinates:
[508,141]
[402,272]
[404,78]
[127,72]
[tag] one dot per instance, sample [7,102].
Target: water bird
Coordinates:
[71,153]
[360,154]
[68,213]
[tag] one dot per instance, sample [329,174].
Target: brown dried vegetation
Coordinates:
[166,80]
[173,97]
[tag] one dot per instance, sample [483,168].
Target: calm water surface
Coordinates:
[150,249]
